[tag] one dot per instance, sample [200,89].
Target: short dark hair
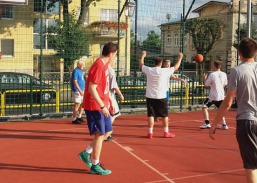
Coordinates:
[218,64]
[248,48]
[109,48]
[158,61]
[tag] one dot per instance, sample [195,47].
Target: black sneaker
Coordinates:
[108,138]
[76,122]
[80,120]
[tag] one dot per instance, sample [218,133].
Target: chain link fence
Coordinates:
[41,41]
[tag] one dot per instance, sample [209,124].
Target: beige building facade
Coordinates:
[20,38]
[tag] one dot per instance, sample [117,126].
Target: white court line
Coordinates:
[142,161]
[208,174]
[157,181]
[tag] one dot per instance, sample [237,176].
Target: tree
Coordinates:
[152,42]
[69,39]
[205,32]
[132,38]
[83,9]
[242,33]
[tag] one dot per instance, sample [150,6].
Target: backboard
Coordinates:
[14,2]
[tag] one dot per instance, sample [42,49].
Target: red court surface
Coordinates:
[46,152]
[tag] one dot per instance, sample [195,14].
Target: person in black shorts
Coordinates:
[217,80]
[242,83]
[156,88]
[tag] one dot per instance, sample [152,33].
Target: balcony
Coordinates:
[108,29]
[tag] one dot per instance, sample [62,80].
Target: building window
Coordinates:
[168,39]
[109,15]
[176,40]
[7,47]
[49,7]
[46,23]
[8,12]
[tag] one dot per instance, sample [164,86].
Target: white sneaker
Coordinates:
[204,126]
[223,127]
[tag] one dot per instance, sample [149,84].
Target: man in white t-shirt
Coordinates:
[217,80]
[156,88]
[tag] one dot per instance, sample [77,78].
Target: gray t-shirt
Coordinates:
[243,79]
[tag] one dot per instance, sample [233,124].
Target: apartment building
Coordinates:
[24,49]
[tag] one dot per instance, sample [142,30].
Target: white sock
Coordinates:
[224,122]
[166,129]
[89,149]
[74,119]
[95,162]
[150,130]
[79,115]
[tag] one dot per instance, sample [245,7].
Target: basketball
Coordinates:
[198,58]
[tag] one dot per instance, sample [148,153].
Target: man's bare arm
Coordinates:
[141,61]
[177,65]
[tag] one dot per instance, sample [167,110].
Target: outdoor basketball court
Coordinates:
[46,151]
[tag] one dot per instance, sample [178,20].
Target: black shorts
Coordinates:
[157,107]
[208,103]
[246,134]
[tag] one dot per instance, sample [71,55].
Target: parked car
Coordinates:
[194,86]
[131,81]
[21,88]
[133,90]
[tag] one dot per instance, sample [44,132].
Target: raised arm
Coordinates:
[178,79]
[141,61]
[176,66]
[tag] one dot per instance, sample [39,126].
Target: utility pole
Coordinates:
[249,17]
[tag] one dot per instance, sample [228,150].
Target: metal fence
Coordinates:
[28,45]
[24,97]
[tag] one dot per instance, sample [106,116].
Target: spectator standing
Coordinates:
[77,87]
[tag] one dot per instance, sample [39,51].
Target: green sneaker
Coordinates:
[85,157]
[98,169]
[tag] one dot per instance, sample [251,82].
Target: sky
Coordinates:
[152,13]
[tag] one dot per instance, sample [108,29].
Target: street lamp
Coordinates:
[129,7]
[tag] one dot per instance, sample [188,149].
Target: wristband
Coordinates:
[102,107]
